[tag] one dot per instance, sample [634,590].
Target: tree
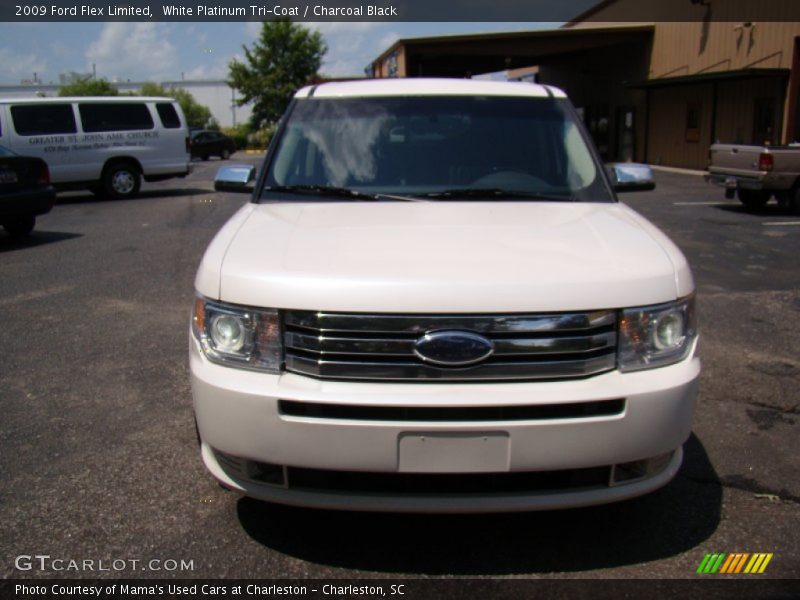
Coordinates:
[197,115]
[285,57]
[89,87]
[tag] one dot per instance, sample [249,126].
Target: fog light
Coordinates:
[265,472]
[640,469]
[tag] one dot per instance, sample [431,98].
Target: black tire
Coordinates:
[205,157]
[785,199]
[18,227]
[226,154]
[754,200]
[121,180]
[794,201]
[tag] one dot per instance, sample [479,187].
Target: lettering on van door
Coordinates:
[92,141]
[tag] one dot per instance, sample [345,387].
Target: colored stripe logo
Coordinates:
[734,563]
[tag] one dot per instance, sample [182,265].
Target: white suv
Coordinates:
[434,302]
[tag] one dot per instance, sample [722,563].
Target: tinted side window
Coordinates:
[43,119]
[114,117]
[168,115]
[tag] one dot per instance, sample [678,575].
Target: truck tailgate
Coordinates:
[735,159]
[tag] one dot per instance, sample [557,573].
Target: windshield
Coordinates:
[435,147]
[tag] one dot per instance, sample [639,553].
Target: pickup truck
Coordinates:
[756,173]
[434,302]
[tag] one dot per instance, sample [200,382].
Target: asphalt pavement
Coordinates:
[98,457]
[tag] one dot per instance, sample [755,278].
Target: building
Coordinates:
[659,91]
[216,94]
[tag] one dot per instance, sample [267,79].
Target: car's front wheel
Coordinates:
[121,180]
[226,154]
[20,226]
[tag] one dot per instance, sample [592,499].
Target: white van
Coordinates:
[105,144]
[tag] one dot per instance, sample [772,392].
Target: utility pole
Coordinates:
[233,105]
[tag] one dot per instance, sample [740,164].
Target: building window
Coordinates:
[391,65]
[764,121]
[692,123]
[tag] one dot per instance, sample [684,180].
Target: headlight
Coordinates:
[655,336]
[238,336]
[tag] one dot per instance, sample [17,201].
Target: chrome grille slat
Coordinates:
[348,345]
[341,346]
[326,345]
[418,324]
[404,371]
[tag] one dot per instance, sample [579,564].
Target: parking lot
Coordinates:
[98,458]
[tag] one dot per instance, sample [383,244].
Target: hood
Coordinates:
[444,257]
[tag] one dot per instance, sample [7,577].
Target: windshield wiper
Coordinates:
[339,192]
[498,193]
[321,190]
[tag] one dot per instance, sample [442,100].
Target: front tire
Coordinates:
[753,200]
[226,154]
[19,227]
[121,180]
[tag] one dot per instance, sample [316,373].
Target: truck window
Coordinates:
[43,119]
[168,115]
[113,116]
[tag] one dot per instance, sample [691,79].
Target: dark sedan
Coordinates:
[25,192]
[211,143]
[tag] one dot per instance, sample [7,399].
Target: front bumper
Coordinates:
[237,415]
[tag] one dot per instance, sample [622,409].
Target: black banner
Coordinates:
[397,10]
[747,587]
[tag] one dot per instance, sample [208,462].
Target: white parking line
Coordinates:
[701,203]
[781,223]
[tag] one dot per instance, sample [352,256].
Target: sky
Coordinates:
[172,51]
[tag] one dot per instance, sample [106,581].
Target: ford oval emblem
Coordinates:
[453,348]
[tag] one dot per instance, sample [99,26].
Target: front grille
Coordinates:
[537,412]
[380,347]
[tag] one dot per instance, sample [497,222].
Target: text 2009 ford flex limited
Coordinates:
[434,302]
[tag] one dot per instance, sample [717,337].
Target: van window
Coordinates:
[114,116]
[43,119]
[168,115]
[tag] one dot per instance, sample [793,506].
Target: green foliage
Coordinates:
[238,134]
[262,137]
[89,87]
[285,57]
[197,115]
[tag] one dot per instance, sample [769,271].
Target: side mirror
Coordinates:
[631,177]
[235,178]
